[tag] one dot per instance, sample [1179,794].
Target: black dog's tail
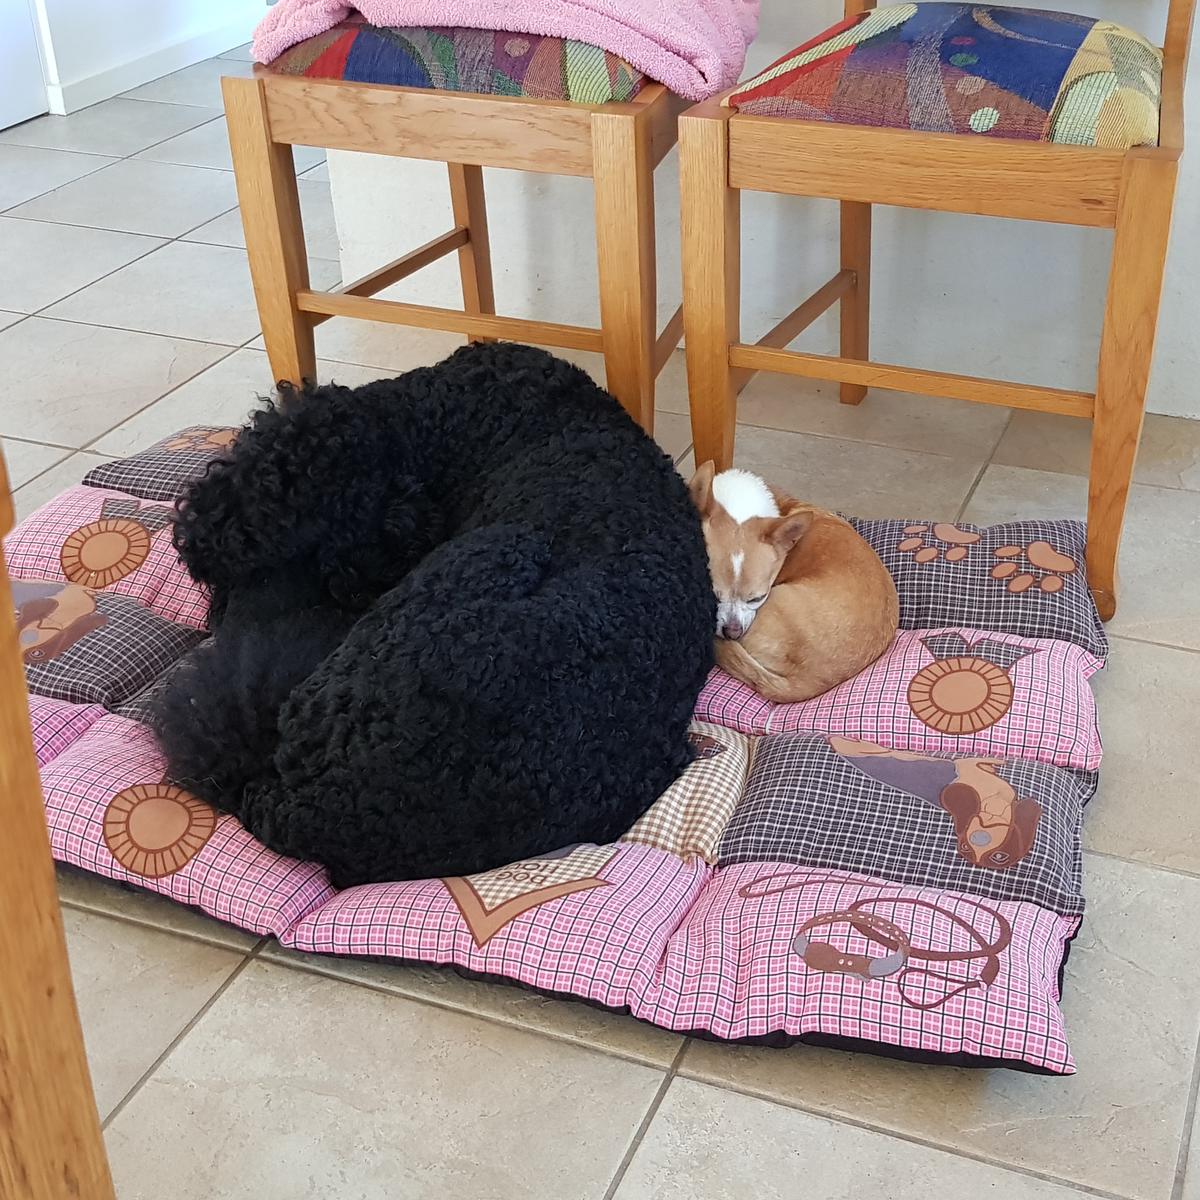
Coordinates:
[217,717]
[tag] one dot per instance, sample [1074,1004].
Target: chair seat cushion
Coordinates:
[464,60]
[961,68]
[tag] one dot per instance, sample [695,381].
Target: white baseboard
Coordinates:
[71,97]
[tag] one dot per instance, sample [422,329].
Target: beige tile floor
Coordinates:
[225,1066]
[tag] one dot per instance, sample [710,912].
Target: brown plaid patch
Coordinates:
[91,647]
[163,470]
[690,816]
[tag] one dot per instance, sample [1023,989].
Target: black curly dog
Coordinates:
[460,618]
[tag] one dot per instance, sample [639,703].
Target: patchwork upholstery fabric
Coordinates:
[973,70]
[110,812]
[92,647]
[947,573]
[162,471]
[56,724]
[464,60]
[893,866]
[692,812]
[109,541]
[1005,829]
[953,691]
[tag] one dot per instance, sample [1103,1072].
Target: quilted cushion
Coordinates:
[110,812]
[962,68]
[109,541]
[162,471]
[947,691]
[464,60]
[1023,577]
[1002,828]
[56,724]
[92,647]
[893,866]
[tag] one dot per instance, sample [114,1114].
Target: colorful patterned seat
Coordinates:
[464,60]
[962,68]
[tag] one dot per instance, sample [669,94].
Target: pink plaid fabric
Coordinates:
[632,926]
[603,944]
[161,582]
[729,702]
[733,971]
[56,724]
[1052,717]
[233,878]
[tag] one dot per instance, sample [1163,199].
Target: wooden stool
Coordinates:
[617,145]
[723,152]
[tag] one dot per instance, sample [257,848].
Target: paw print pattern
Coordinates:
[956,542]
[1052,567]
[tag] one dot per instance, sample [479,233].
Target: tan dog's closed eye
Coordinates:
[803,603]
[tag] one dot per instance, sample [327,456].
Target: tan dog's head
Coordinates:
[747,542]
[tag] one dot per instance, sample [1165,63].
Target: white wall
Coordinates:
[94,49]
[1011,299]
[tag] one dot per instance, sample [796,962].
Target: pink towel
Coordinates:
[695,47]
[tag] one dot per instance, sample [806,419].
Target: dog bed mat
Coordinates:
[891,867]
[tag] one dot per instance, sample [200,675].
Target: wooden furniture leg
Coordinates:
[856,303]
[1126,349]
[623,175]
[50,1143]
[270,204]
[711,237]
[474,258]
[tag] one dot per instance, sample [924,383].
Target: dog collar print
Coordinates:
[824,957]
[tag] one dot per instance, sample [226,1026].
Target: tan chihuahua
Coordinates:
[803,603]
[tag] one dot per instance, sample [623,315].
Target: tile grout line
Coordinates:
[962,508]
[647,1120]
[837,1118]
[178,337]
[12,437]
[43,314]
[1182,872]
[178,1038]
[109,160]
[170,931]
[460,1010]
[86,447]
[1137,641]
[1189,1124]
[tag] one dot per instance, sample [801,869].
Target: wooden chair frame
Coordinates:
[616,145]
[50,1143]
[723,153]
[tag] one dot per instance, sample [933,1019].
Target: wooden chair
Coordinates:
[50,1143]
[618,145]
[723,153]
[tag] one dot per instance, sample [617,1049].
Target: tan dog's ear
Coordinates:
[787,531]
[701,487]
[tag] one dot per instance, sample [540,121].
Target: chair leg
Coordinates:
[856,303]
[1126,349]
[475,258]
[270,205]
[711,232]
[624,186]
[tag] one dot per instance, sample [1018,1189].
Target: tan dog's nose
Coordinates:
[732,630]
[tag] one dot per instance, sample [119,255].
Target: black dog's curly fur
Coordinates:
[461,618]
